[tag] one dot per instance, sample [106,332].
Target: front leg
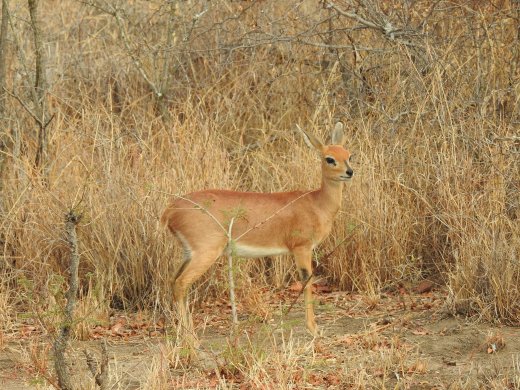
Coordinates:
[303,257]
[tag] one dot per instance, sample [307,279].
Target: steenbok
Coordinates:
[260,224]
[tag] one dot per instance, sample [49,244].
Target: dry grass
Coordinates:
[434,132]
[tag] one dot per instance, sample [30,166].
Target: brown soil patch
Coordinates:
[396,339]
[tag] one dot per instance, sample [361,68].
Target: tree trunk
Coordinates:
[61,342]
[40,85]
[3,57]
[3,96]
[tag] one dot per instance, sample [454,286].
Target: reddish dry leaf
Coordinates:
[314,379]
[417,368]
[348,340]
[97,332]
[320,348]
[379,372]
[333,379]
[319,288]
[296,287]
[424,287]
[117,328]
[495,342]
[27,330]
[322,288]
[297,376]
[160,323]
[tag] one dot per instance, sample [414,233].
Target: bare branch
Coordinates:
[231,278]
[254,145]
[356,17]
[26,108]
[385,27]
[157,92]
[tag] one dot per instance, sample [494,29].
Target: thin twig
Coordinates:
[388,30]
[273,215]
[29,111]
[254,145]
[356,17]
[336,247]
[230,275]
[298,296]
[137,63]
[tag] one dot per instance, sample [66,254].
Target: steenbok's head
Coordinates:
[335,159]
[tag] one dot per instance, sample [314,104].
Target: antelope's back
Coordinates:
[278,220]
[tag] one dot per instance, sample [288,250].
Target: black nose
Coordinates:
[349,172]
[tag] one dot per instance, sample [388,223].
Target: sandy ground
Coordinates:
[393,341]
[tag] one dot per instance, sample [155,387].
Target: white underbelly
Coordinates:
[243,250]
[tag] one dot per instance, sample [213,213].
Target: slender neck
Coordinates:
[329,195]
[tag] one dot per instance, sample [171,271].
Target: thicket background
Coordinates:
[147,99]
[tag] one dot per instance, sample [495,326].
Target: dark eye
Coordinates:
[330,160]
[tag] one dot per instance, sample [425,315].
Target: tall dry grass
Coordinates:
[433,126]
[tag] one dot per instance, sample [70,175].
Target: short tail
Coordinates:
[166,216]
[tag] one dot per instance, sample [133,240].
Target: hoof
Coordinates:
[313,328]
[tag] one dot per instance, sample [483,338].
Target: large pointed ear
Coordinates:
[310,140]
[338,135]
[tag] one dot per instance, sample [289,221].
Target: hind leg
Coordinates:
[191,270]
[179,296]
